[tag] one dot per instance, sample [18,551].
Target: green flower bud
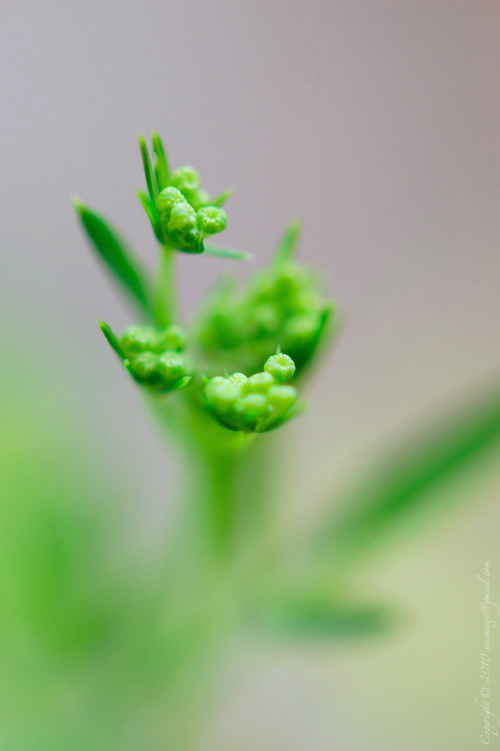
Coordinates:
[238,378]
[265,319]
[143,366]
[292,278]
[172,338]
[191,242]
[168,198]
[221,395]
[302,329]
[198,198]
[171,366]
[211,220]
[258,383]
[281,399]
[186,179]
[281,367]
[251,408]
[136,339]
[308,301]
[182,218]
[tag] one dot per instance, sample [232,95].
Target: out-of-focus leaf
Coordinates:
[289,242]
[116,254]
[405,483]
[313,619]
[222,198]
[232,253]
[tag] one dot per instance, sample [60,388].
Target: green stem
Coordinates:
[222,469]
[164,293]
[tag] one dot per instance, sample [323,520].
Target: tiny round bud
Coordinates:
[190,241]
[300,330]
[172,338]
[292,278]
[281,367]
[136,339]
[198,198]
[258,383]
[170,367]
[182,217]
[308,301]
[211,220]
[251,407]
[281,398]
[186,179]
[265,319]
[221,395]
[144,365]
[238,378]
[168,198]
[262,286]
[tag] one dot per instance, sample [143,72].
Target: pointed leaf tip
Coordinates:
[289,242]
[232,254]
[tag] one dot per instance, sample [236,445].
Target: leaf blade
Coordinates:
[404,486]
[161,167]
[289,242]
[148,170]
[232,254]
[118,257]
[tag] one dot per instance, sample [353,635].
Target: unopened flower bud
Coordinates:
[185,179]
[292,278]
[250,408]
[281,399]
[265,319]
[211,220]
[167,199]
[281,367]
[238,378]
[191,241]
[258,383]
[198,198]
[136,339]
[172,338]
[144,365]
[221,395]
[182,218]
[301,329]
[171,366]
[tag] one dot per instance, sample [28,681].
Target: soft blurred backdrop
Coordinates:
[378,123]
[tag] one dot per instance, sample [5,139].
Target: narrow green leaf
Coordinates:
[222,198]
[148,170]
[116,254]
[317,621]
[405,483]
[289,242]
[231,253]
[309,606]
[152,215]
[162,168]
[112,339]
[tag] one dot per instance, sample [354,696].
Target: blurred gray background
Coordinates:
[379,124]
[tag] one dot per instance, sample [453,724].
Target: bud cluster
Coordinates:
[256,404]
[155,357]
[186,215]
[281,306]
